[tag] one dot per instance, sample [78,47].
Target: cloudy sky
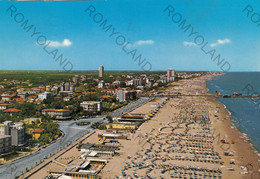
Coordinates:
[148,28]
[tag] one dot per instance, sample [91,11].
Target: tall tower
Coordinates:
[101,71]
[170,75]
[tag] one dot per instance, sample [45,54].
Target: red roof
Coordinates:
[31,97]
[12,110]
[55,110]
[4,104]
[108,90]
[57,97]
[104,96]
[38,130]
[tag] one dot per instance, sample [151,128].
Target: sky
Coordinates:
[71,30]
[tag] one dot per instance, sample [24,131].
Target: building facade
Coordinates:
[91,106]
[45,95]
[59,114]
[101,71]
[125,95]
[5,143]
[16,130]
[170,75]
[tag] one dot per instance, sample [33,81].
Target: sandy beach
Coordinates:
[169,152]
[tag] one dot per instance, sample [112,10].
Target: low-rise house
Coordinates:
[32,120]
[3,106]
[37,133]
[12,111]
[109,91]
[59,114]
[23,94]
[57,97]
[68,98]
[116,83]
[7,93]
[31,99]
[6,98]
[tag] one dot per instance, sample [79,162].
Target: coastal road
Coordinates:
[131,106]
[72,132]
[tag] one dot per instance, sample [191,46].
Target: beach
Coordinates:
[225,138]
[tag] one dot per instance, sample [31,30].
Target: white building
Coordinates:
[130,83]
[101,71]
[170,75]
[137,82]
[45,95]
[101,84]
[91,106]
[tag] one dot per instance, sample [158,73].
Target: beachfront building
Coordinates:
[58,114]
[133,117]
[124,95]
[3,106]
[126,126]
[5,143]
[97,150]
[113,136]
[92,106]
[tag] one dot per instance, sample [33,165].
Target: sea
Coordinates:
[245,112]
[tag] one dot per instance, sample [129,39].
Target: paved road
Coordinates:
[131,106]
[72,132]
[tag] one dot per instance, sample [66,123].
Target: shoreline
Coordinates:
[232,115]
[246,151]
